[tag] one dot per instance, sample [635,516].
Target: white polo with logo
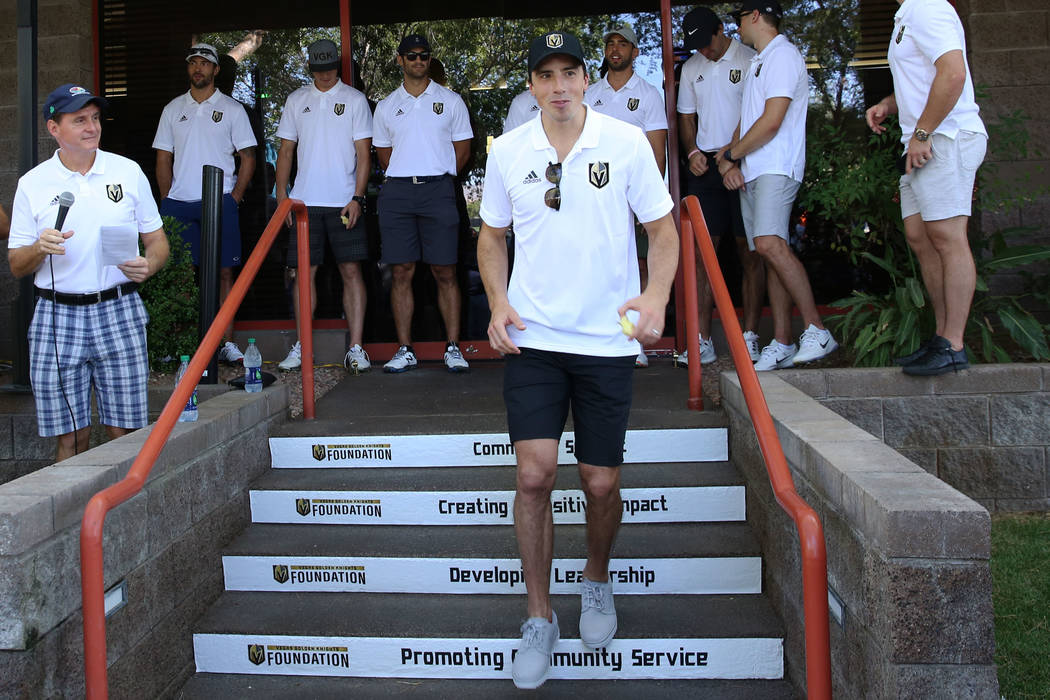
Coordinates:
[420,130]
[208,133]
[325,126]
[778,71]
[637,102]
[575,267]
[714,92]
[522,108]
[923,31]
[114,192]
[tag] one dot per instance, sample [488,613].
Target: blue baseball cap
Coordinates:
[412,41]
[70,98]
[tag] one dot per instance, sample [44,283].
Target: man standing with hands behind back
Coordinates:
[572,181]
[944,143]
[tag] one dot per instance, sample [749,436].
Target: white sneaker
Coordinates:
[532,663]
[814,344]
[642,360]
[454,361]
[402,361]
[230,353]
[776,356]
[294,359]
[356,360]
[707,353]
[597,613]
[751,341]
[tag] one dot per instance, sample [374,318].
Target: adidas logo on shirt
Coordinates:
[699,78]
[399,112]
[306,110]
[534,108]
[183,118]
[531,178]
[599,103]
[53,201]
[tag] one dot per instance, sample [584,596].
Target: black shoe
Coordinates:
[939,359]
[919,352]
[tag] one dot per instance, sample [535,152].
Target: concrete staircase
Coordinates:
[379,565]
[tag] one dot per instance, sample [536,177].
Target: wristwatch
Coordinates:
[729,156]
[360,200]
[921,135]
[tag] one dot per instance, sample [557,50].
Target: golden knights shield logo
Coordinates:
[280,573]
[115,192]
[256,653]
[900,35]
[758,70]
[555,41]
[339,108]
[439,107]
[216,116]
[734,75]
[319,453]
[302,506]
[598,174]
[632,104]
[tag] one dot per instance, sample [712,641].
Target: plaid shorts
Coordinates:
[101,345]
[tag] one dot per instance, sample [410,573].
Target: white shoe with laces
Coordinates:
[230,353]
[294,359]
[532,663]
[356,360]
[597,613]
[751,341]
[776,356]
[454,361]
[814,344]
[707,353]
[402,361]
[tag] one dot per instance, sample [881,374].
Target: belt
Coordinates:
[418,179]
[90,297]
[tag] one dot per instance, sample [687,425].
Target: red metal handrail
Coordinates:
[91,570]
[810,531]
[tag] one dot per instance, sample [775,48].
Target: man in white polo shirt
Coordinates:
[572,182]
[522,108]
[89,326]
[624,94]
[766,161]
[709,97]
[422,138]
[205,127]
[944,143]
[329,125]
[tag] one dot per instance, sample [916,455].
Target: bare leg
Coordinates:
[604,512]
[753,288]
[295,297]
[958,274]
[353,300]
[225,285]
[929,265]
[448,298]
[69,444]
[401,301]
[705,297]
[533,520]
[786,275]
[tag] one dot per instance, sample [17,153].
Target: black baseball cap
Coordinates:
[766,7]
[554,43]
[70,98]
[699,26]
[411,41]
[322,55]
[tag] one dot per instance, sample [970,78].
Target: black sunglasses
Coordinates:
[552,197]
[413,55]
[202,51]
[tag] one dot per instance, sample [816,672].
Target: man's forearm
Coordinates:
[364,166]
[25,260]
[493,263]
[663,255]
[244,173]
[687,133]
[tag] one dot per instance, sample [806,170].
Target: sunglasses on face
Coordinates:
[552,197]
[413,55]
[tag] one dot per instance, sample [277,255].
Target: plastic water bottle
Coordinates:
[252,368]
[189,411]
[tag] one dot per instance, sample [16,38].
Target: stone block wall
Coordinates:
[985,431]
[908,555]
[164,543]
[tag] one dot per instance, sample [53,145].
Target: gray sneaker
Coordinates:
[402,361]
[532,663]
[597,614]
[454,361]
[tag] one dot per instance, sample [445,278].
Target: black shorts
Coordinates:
[419,221]
[721,206]
[540,385]
[325,224]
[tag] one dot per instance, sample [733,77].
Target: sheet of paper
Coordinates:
[119,244]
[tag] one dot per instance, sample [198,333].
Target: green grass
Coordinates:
[1021,579]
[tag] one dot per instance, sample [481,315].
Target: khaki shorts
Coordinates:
[943,188]
[765,205]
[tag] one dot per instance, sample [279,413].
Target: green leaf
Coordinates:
[1016,256]
[1025,330]
[918,298]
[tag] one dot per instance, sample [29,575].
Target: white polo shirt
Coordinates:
[714,91]
[325,126]
[522,108]
[923,31]
[420,130]
[575,267]
[778,71]
[637,102]
[202,134]
[113,193]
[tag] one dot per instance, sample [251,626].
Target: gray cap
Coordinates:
[323,55]
[626,31]
[205,51]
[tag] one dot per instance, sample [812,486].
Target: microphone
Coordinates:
[65,201]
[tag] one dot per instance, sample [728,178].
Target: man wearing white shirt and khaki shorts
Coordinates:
[944,143]
[329,125]
[572,181]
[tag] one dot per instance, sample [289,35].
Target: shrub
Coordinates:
[171,297]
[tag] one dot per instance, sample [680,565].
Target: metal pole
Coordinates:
[28,119]
[211,230]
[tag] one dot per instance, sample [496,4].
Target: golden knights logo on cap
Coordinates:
[598,174]
[632,104]
[115,192]
[339,108]
[555,41]
[439,107]
[734,75]
[280,573]
[216,117]
[302,506]
[256,653]
[318,453]
[900,35]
